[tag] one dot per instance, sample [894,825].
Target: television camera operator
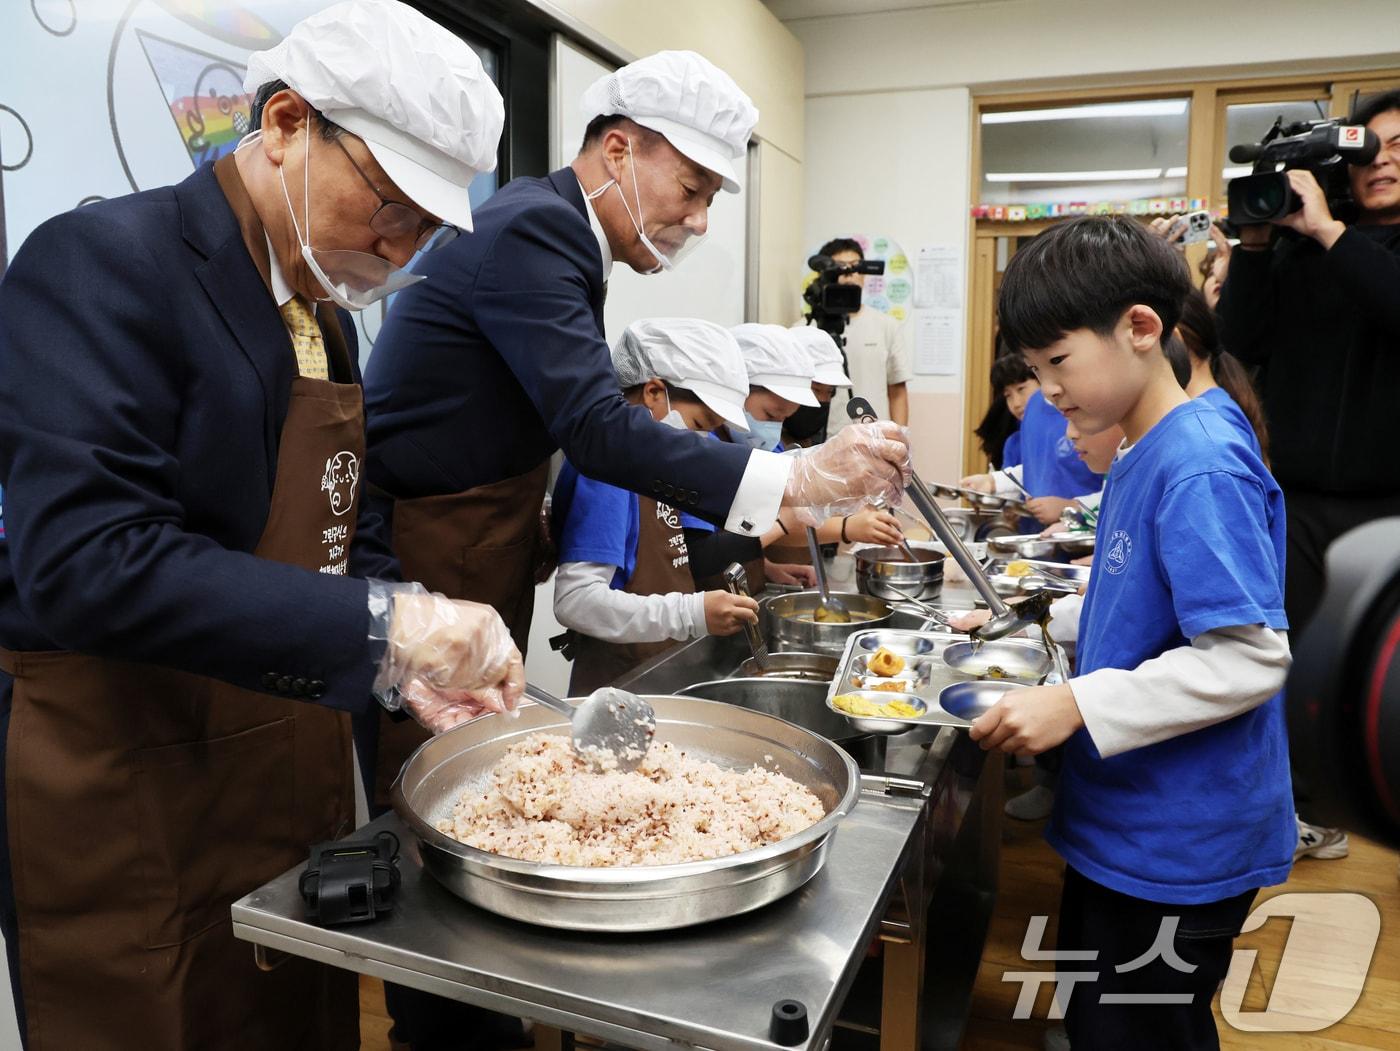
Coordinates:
[874,345]
[1313,297]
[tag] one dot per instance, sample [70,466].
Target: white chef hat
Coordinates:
[698,355]
[415,92]
[684,97]
[776,360]
[826,355]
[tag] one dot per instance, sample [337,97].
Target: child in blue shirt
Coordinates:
[1219,377]
[1174,803]
[624,588]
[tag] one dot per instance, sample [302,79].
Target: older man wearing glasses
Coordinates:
[185,620]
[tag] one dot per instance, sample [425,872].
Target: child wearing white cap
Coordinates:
[782,375]
[624,587]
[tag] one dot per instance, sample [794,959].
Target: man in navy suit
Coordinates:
[184,619]
[499,358]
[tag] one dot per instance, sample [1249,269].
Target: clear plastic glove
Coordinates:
[445,660]
[863,463]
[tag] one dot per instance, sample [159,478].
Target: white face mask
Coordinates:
[353,280]
[663,262]
[673,417]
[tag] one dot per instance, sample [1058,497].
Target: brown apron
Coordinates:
[143,801]
[663,566]
[482,545]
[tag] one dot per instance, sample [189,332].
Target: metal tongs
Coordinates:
[736,582]
[1005,619]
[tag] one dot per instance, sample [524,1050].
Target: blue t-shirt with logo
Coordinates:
[1051,467]
[1190,539]
[1234,416]
[595,522]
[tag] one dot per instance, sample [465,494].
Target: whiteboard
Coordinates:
[709,283]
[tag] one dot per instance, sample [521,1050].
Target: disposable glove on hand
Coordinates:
[865,462]
[445,660]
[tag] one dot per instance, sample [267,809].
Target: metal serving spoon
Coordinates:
[830,610]
[610,728]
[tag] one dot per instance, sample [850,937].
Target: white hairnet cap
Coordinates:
[826,355]
[776,360]
[683,96]
[415,92]
[698,355]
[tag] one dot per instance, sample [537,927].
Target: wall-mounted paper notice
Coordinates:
[937,341]
[938,278]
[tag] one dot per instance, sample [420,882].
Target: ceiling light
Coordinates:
[1124,175]
[1155,108]
[1175,173]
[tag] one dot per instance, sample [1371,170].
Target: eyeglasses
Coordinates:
[393,220]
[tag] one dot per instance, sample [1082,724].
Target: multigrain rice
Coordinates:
[544,804]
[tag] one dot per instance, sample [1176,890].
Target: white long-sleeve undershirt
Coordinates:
[1221,674]
[586,602]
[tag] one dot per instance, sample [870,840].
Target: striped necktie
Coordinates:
[306,338]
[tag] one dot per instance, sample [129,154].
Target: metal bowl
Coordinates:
[1021,546]
[873,724]
[787,621]
[643,897]
[813,667]
[1018,660]
[885,572]
[968,700]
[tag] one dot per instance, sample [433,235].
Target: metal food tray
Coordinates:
[917,646]
[1061,570]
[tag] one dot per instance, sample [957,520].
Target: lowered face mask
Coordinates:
[663,261]
[353,280]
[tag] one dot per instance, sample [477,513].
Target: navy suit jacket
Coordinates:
[144,378]
[498,359]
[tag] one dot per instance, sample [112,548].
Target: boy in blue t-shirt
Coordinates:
[1174,804]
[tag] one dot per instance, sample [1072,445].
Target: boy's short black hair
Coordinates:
[1008,370]
[842,244]
[1083,273]
[1368,108]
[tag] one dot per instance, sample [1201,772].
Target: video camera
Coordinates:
[1344,688]
[831,302]
[1323,147]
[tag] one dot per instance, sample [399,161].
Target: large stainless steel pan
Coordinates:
[640,898]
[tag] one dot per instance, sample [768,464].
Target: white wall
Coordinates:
[924,66]
[878,170]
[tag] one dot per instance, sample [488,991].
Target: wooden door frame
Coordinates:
[1205,152]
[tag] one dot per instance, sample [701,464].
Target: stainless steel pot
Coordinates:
[796,700]
[886,573]
[787,621]
[642,897]
[813,667]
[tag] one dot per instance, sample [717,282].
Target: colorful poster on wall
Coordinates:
[891,293]
[102,99]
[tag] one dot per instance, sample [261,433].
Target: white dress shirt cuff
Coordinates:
[760,494]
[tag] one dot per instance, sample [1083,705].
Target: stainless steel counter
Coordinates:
[915,863]
[711,986]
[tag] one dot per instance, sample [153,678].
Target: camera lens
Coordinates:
[1266,199]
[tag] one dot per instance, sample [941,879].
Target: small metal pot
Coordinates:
[886,573]
[787,621]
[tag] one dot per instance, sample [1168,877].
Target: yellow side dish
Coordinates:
[883,662]
[855,704]
[1019,568]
